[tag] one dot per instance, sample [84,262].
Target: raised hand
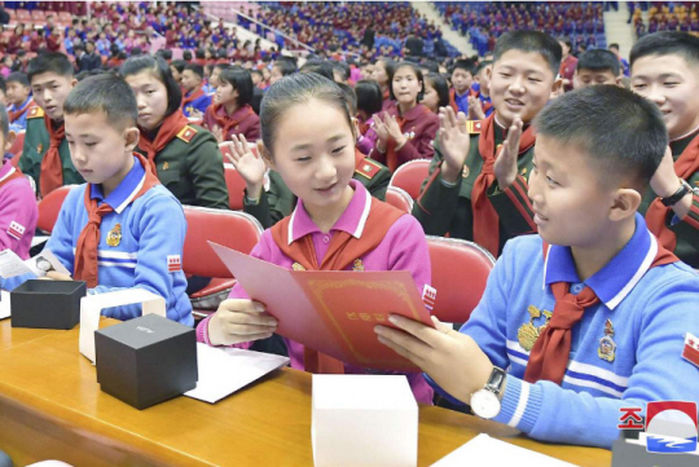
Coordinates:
[454,143]
[251,167]
[505,168]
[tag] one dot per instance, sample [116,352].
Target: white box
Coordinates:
[363,420]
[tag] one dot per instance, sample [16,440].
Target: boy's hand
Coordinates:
[452,359]
[665,181]
[56,276]
[251,167]
[454,143]
[475,109]
[240,320]
[505,167]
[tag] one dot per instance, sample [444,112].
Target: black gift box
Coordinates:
[146,360]
[47,304]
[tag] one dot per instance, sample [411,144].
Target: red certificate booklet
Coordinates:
[333,312]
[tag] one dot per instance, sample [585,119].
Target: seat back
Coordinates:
[235,185]
[460,271]
[50,206]
[409,176]
[234,229]
[399,198]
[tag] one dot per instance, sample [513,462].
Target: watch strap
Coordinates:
[677,195]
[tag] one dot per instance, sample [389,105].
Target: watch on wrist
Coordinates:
[677,195]
[486,401]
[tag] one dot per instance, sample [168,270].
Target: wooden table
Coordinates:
[51,407]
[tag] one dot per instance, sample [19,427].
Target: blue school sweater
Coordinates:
[136,241]
[649,312]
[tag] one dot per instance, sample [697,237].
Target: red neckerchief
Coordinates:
[486,222]
[196,94]
[85,263]
[172,125]
[15,114]
[344,249]
[549,357]
[685,165]
[226,122]
[51,165]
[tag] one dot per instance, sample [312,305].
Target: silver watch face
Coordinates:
[485,403]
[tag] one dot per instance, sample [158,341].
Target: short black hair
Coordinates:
[440,85]
[667,43]
[286,67]
[466,65]
[55,62]
[418,73]
[598,60]
[614,45]
[482,64]
[240,79]
[343,68]
[369,96]
[195,68]
[4,121]
[530,41]
[18,77]
[186,55]
[322,67]
[161,71]
[583,118]
[350,97]
[106,93]
[178,65]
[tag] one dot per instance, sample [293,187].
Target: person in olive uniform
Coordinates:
[475,189]
[45,155]
[186,157]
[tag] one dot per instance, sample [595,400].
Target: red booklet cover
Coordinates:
[333,312]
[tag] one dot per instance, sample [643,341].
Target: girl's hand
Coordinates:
[218,133]
[381,130]
[240,320]
[454,143]
[394,131]
[505,167]
[475,109]
[251,167]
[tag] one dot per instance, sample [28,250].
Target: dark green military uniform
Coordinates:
[191,167]
[442,208]
[278,202]
[686,230]
[36,143]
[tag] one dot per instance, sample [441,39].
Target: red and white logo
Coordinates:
[15,230]
[690,352]
[174,263]
[429,296]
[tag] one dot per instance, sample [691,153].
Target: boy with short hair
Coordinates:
[194,100]
[19,100]
[665,70]
[18,210]
[596,66]
[477,188]
[588,317]
[461,80]
[480,104]
[123,228]
[45,155]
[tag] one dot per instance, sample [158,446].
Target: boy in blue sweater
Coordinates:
[590,315]
[122,228]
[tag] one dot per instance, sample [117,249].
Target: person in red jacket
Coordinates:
[231,112]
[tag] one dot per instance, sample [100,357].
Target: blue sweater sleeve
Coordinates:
[161,227]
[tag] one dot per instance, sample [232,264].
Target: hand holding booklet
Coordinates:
[333,312]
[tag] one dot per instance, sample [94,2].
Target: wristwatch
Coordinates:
[678,195]
[486,402]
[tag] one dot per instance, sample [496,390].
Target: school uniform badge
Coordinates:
[528,333]
[39,148]
[187,133]
[16,230]
[174,263]
[465,172]
[429,296]
[607,346]
[357,265]
[297,267]
[690,351]
[114,236]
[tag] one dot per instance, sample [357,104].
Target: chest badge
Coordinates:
[528,333]
[297,267]
[40,148]
[114,236]
[607,346]
[166,165]
[357,265]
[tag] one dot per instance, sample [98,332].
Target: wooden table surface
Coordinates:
[51,407]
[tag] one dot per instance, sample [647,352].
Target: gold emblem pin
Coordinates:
[297,267]
[357,265]
[40,148]
[528,333]
[114,236]
[166,165]
[607,346]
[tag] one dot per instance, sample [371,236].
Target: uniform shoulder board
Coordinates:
[35,112]
[187,133]
[368,168]
[474,126]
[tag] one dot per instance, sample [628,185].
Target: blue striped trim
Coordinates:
[521,355]
[116,260]
[596,379]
